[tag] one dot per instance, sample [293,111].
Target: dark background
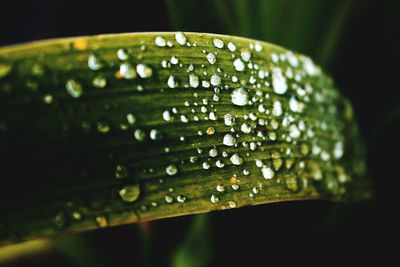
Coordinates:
[365,67]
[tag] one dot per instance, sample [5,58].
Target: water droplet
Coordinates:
[180,38]
[130,193]
[171,82]
[131,118]
[60,219]
[218,43]
[37,70]
[210,130]
[219,164]
[122,54]
[74,88]
[245,55]
[245,128]
[127,71]
[236,159]
[48,99]
[144,71]
[215,80]
[168,199]
[229,140]
[238,64]
[99,82]
[292,183]
[235,187]
[94,63]
[206,165]
[76,215]
[213,152]
[338,150]
[294,131]
[121,172]
[5,69]
[160,41]
[181,199]
[155,134]
[184,119]
[231,47]
[231,204]
[267,173]
[240,97]
[212,58]
[258,47]
[277,108]
[295,105]
[101,221]
[102,127]
[167,115]
[277,163]
[139,134]
[220,188]
[279,81]
[174,60]
[229,120]
[171,170]
[193,80]
[214,199]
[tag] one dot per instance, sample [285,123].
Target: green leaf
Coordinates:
[113,129]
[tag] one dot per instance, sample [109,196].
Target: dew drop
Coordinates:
[231,204]
[127,71]
[94,63]
[214,199]
[130,193]
[139,135]
[215,80]
[220,188]
[155,134]
[48,99]
[210,130]
[218,43]
[236,159]
[131,118]
[240,97]
[229,120]
[245,128]
[213,152]
[212,58]
[245,55]
[103,127]
[171,170]
[168,199]
[160,41]
[74,88]
[181,199]
[144,71]
[167,115]
[122,54]
[101,221]
[229,140]
[193,80]
[231,47]
[180,38]
[295,105]
[279,81]
[267,173]
[99,82]
[171,82]
[238,64]
[294,131]
[121,172]
[206,165]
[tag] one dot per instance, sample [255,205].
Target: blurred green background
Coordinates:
[355,41]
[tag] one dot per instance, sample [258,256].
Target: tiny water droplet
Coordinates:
[171,170]
[231,204]
[220,188]
[99,82]
[122,54]
[101,221]
[267,173]
[48,98]
[140,135]
[214,199]
[171,82]
[130,193]
[236,159]
[74,88]
[231,47]
[103,127]
[238,64]
[121,172]
[168,199]
[181,199]
[229,120]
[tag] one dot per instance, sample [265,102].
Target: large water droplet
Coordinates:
[211,57]
[236,159]
[171,170]
[279,81]
[180,38]
[218,43]
[240,97]
[130,193]
[238,64]
[229,140]
[144,71]
[267,173]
